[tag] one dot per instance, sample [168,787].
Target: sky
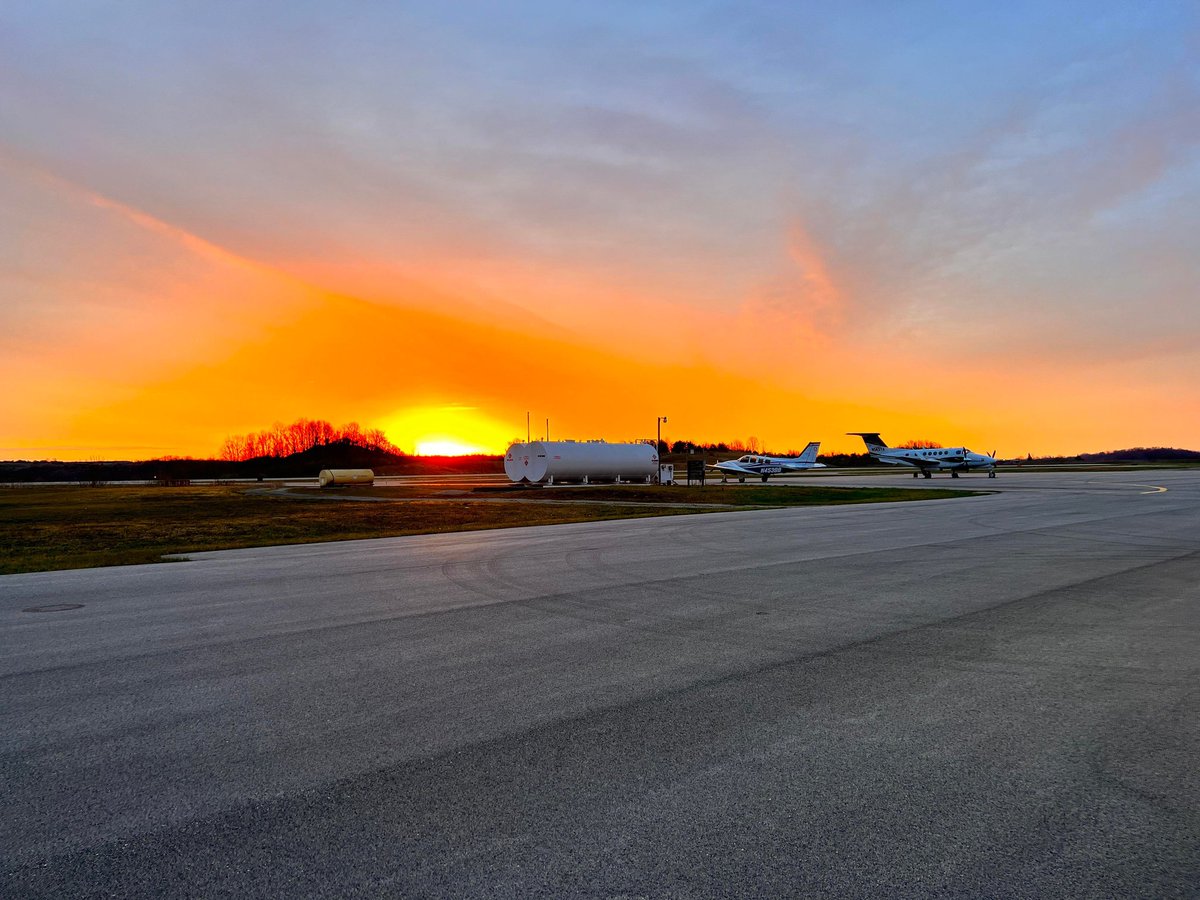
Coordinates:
[970,223]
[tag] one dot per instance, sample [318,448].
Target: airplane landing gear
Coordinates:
[927,474]
[764,479]
[953,474]
[992,474]
[916,474]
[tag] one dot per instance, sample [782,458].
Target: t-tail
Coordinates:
[874,442]
[810,453]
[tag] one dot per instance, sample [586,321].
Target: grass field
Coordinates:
[69,527]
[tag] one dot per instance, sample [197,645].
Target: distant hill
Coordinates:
[1133,454]
[1143,454]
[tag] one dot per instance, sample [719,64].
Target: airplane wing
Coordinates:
[731,466]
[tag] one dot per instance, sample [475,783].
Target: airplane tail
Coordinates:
[810,452]
[872,439]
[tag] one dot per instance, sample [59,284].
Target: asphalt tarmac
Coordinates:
[993,696]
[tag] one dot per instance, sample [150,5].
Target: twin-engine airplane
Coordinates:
[928,460]
[766,466]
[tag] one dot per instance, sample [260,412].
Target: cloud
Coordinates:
[760,196]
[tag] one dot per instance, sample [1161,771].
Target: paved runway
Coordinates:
[993,696]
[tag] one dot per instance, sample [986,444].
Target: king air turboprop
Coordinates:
[766,466]
[928,460]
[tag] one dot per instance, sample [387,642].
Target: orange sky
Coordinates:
[179,343]
[181,262]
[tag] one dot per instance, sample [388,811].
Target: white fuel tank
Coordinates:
[516,463]
[555,461]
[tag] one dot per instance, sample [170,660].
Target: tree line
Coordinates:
[749,445]
[304,434]
[754,445]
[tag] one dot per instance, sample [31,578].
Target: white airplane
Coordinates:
[766,466]
[928,460]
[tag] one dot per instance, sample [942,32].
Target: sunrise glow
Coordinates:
[447,431]
[981,232]
[447,448]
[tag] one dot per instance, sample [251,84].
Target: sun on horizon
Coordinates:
[448,447]
[446,430]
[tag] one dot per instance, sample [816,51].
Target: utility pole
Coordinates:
[657,444]
[528,436]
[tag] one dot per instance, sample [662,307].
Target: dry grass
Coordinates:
[43,528]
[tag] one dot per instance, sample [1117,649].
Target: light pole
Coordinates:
[657,444]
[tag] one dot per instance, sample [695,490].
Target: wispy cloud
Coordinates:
[725,188]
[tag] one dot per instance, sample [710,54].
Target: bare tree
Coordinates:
[301,435]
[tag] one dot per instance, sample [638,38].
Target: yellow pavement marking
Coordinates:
[1154,488]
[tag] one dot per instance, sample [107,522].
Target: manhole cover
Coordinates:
[53,607]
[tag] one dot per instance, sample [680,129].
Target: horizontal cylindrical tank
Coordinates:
[330,477]
[554,461]
[516,462]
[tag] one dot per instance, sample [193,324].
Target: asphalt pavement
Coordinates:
[990,696]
